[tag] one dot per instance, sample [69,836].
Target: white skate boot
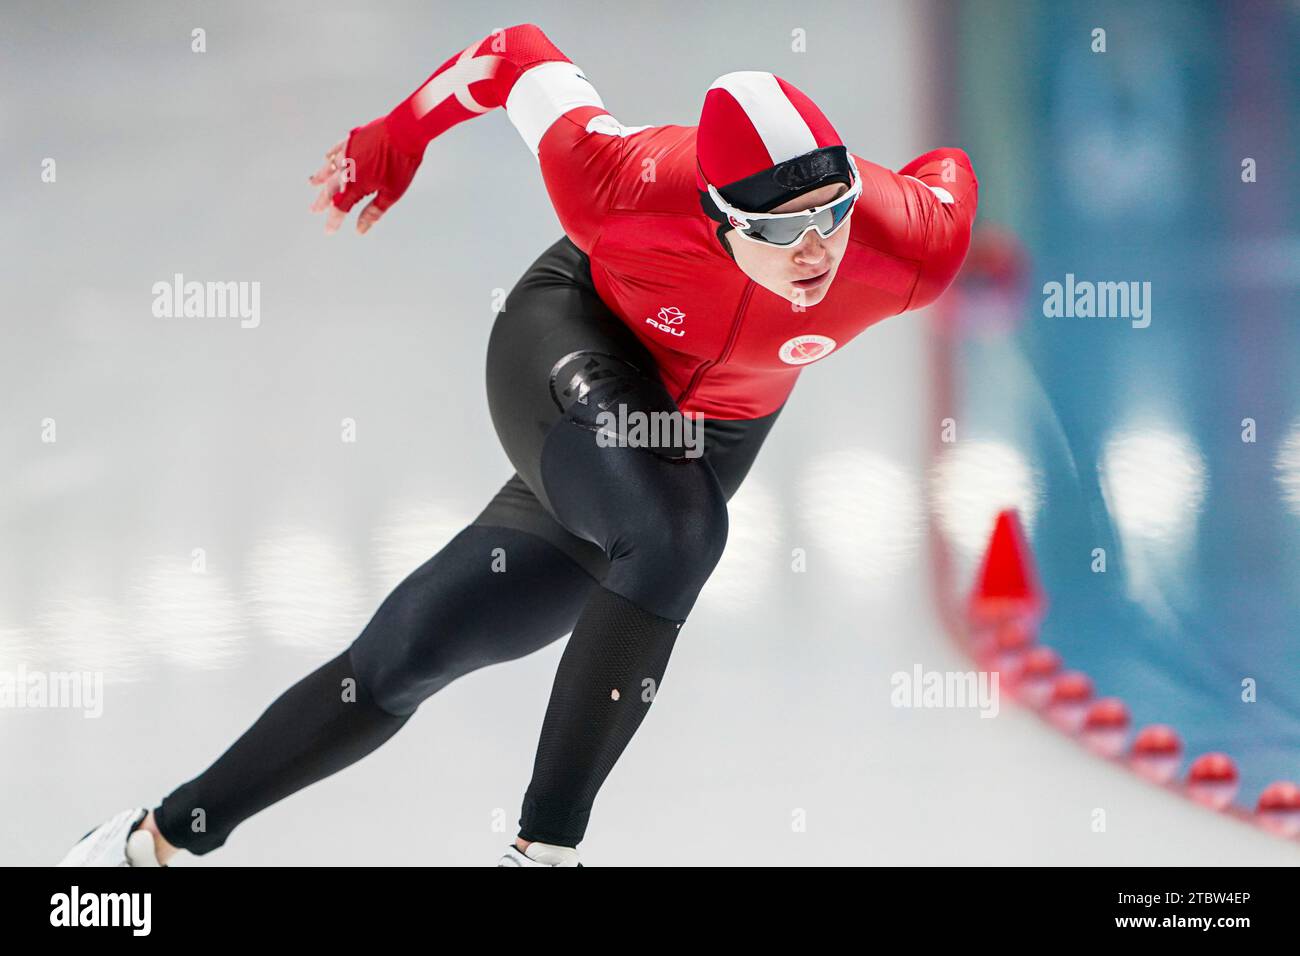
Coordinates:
[115,843]
[540,854]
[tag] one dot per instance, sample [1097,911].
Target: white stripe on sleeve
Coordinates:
[545,93]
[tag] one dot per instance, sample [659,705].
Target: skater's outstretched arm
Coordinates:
[519,69]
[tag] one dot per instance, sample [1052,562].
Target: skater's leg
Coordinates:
[661,518]
[320,725]
[557,360]
[492,594]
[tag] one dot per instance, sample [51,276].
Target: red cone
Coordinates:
[1007,587]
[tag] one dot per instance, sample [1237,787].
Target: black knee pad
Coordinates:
[659,513]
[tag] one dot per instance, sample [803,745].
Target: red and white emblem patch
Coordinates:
[803,349]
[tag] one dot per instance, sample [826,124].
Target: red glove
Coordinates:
[372,163]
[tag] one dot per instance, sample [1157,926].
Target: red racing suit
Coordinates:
[627,196]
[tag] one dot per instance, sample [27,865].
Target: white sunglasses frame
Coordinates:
[738,218]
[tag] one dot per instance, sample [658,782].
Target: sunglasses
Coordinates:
[787,228]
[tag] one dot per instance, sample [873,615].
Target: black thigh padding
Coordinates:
[634,411]
[661,522]
[574,376]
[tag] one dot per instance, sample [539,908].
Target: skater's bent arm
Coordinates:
[547,98]
[951,195]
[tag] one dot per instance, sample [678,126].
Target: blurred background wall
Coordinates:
[1171,441]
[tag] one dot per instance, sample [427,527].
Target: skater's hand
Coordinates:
[367,162]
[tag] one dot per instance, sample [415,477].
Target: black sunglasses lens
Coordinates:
[778,232]
[784,232]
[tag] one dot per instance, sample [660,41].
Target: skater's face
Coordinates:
[802,273]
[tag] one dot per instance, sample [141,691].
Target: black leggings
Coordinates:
[608,542]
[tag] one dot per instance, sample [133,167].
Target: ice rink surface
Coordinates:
[774,740]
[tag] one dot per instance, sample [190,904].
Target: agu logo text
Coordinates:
[669,317]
